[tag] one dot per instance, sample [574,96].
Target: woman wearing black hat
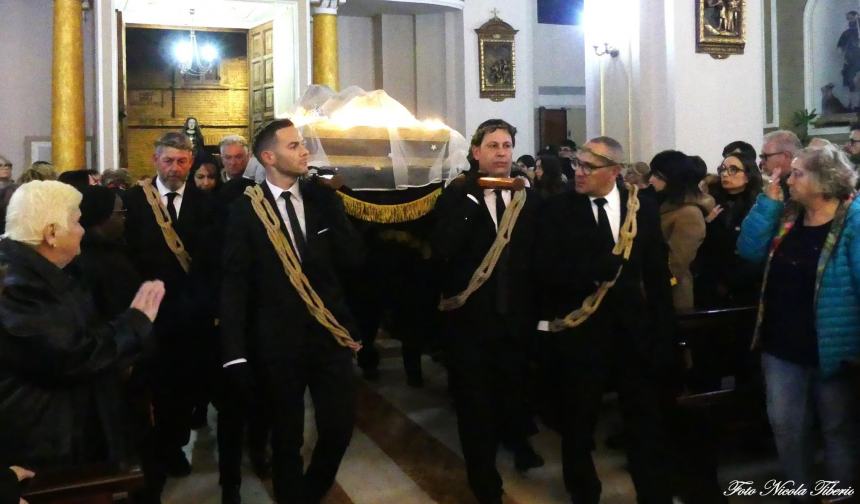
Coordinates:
[683,207]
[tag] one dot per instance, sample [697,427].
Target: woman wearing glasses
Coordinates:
[724,278]
[683,207]
[809,317]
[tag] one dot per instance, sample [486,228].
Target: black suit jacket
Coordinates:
[190,297]
[640,303]
[262,316]
[464,233]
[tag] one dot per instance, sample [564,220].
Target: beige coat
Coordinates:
[684,230]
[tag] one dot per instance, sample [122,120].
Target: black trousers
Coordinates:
[326,369]
[589,362]
[233,419]
[488,386]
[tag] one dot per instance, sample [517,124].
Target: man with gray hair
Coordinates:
[234,156]
[625,337]
[778,149]
[170,231]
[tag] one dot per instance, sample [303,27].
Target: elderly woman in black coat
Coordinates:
[56,359]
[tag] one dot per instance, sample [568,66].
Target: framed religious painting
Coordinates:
[720,27]
[497,60]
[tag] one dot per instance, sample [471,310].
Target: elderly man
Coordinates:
[486,323]
[234,157]
[628,340]
[777,151]
[170,236]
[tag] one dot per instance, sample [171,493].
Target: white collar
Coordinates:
[613,199]
[277,191]
[163,189]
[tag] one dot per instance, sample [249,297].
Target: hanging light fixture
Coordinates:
[194,59]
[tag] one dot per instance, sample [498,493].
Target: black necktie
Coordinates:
[604,230]
[501,271]
[298,236]
[171,209]
[500,207]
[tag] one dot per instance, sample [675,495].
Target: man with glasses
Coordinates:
[852,146]
[627,340]
[777,151]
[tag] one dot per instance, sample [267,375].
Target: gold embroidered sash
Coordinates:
[162,218]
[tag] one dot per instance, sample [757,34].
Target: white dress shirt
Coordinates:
[613,210]
[163,190]
[490,200]
[298,205]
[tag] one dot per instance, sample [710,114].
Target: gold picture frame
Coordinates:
[497,60]
[720,27]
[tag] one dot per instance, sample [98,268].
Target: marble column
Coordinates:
[68,138]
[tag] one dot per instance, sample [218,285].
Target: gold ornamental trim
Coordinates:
[389,214]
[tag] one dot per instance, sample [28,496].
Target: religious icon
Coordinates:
[497,59]
[849,44]
[720,27]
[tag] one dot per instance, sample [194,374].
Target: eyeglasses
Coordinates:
[850,140]
[5,165]
[764,157]
[588,168]
[729,170]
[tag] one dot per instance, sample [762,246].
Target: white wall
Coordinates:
[397,49]
[716,101]
[429,70]
[26,30]
[356,59]
[679,99]
[561,65]
[519,111]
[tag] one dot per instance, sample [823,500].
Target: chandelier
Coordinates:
[192,58]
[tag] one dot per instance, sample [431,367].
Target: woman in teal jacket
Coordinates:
[809,316]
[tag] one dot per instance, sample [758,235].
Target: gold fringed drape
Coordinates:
[389,214]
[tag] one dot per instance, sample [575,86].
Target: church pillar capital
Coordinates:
[326,6]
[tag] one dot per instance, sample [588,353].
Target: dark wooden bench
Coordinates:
[721,399]
[96,484]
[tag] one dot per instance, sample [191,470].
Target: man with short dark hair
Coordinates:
[284,319]
[852,146]
[609,318]
[170,235]
[487,321]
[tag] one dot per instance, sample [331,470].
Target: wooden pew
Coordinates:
[722,398]
[94,484]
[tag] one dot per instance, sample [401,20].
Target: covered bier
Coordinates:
[374,143]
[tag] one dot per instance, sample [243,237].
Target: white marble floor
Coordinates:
[376,470]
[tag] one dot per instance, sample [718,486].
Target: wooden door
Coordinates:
[260,59]
[553,127]
[122,109]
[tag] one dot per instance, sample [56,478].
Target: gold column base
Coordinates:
[68,138]
[325,50]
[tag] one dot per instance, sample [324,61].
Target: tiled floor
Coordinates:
[405,450]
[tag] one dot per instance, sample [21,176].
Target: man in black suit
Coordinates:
[485,336]
[186,318]
[269,330]
[629,337]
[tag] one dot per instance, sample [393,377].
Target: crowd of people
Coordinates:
[126,307]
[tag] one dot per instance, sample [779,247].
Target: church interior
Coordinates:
[93,84]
